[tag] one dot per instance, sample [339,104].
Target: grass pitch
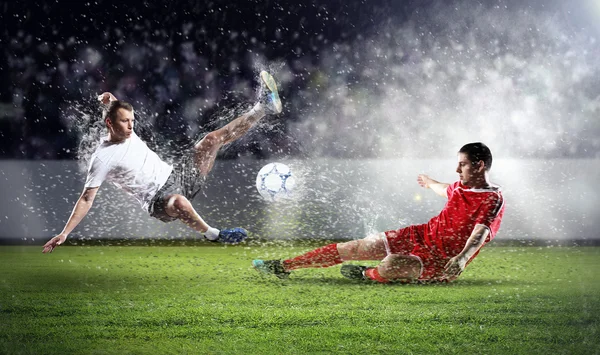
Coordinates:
[206,299]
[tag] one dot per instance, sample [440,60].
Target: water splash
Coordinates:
[521,80]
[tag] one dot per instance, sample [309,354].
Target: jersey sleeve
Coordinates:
[488,212]
[97,173]
[450,189]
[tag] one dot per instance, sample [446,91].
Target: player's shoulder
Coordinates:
[102,155]
[455,185]
[494,190]
[95,163]
[488,193]
[491,188]
[492,196]
[98,153]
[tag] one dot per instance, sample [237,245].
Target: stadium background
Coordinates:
[375,93]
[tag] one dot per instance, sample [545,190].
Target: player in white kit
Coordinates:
[165,191]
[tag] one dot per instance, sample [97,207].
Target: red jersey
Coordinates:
[447,233]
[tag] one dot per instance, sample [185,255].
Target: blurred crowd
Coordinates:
[358,81]
[49,89]
[185,66]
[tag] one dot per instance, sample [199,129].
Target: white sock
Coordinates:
[258,109]
[212,233]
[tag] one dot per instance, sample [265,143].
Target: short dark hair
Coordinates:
[478,152]
[111,109]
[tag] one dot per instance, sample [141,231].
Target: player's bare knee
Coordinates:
[177,205]
[401,267]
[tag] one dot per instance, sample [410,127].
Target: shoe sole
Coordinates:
[272,86]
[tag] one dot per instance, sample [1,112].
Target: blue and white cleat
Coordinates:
[271,267]
[232,236]
[269,95]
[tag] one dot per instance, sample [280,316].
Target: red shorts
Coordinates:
[410,241]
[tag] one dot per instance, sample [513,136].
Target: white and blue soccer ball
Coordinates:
[275,181]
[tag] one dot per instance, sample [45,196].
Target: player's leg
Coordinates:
[399,264]
[370,248]
[179,207]
[320,257]
[205,151]
[400,267]
[394,267]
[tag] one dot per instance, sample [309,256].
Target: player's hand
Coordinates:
[53,243]
[424,180]
[106,98]
[454,267]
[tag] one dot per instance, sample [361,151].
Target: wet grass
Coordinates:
[206,299]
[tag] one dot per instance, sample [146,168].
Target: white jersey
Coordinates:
[131,166]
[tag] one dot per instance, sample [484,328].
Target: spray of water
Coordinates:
[523,81]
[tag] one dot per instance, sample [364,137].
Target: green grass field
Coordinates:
[206,299]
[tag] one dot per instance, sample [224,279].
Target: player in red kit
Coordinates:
[437,251]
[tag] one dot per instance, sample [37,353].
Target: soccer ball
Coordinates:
[275,181]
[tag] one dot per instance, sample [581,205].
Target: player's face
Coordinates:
[470,174]
[122,126]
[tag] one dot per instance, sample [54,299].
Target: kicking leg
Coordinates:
[205,151]
[320,257]
[370,248]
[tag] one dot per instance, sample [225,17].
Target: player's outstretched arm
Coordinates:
[437,187]
[457,264]
[80,210]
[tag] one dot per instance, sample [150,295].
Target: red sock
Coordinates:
[320,257]
[373,274]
